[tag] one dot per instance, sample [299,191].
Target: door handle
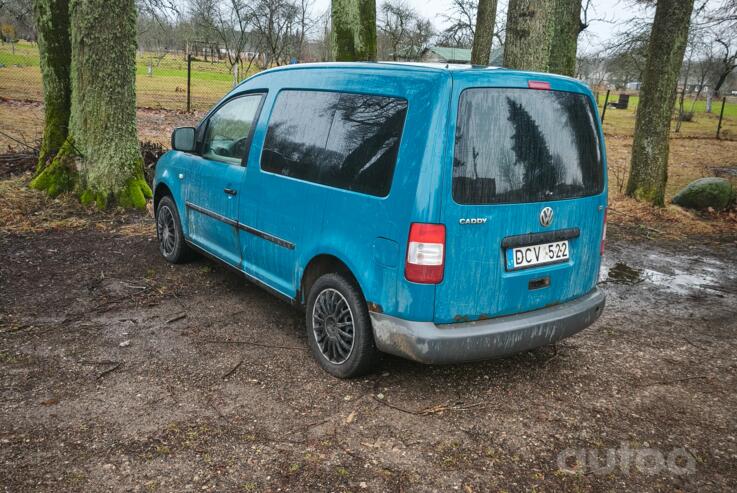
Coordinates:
[230,191]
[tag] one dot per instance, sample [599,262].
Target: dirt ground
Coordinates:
[119,372]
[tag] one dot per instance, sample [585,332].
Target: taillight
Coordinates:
[603,233]
[538,84]
[425,253]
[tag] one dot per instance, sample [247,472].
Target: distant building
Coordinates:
[445,54]
[633,86]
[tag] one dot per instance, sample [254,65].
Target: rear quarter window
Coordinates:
[524,145]
[343,140]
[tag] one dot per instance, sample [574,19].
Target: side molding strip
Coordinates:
[212,214]
[244,227]
[266,236]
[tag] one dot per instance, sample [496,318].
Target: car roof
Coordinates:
[455,70]
[388,65]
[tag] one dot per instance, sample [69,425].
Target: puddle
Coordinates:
[622,273]
[706,276]
[681,282]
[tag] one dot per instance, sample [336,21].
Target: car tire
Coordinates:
[169,233]
[339,329]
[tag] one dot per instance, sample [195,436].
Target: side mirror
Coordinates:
[183,139]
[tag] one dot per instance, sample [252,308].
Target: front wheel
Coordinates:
[339,328]
[169,233]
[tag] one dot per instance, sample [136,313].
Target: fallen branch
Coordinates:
[109,370]
[436,409]
[439,408]
[17,141]
[234,369]
[250,343]
[177,318]
[676,380]
[396,408]
[694,344]
[133,286]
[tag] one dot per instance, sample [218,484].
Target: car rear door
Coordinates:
[525,205]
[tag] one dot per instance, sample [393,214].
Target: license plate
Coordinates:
[533,255]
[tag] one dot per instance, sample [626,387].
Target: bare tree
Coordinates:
[226,24]
[461,20]
[726,61]
[206,25]
[420,36]
[306,24]
[17,17]
[403,34]
[628,51]
[276,23]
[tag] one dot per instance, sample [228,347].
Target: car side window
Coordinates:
[343,140]
[229,128]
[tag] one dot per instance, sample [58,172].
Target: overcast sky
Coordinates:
[614,13]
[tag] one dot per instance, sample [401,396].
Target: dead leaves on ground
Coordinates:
[25,211]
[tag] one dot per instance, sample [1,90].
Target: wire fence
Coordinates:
[169,80]
[696,120]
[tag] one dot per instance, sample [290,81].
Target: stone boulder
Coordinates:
[703,193]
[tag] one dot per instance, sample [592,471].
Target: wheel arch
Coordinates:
[162,190]
[320,264]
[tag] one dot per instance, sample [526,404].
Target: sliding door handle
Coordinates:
[230,191]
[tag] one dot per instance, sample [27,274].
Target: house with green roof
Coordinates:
[446,54]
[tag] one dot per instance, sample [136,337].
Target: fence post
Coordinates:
[721,116]
[606,103]
[189,82]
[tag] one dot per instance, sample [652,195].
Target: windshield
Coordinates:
[525,145]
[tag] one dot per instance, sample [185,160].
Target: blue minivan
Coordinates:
[439,213]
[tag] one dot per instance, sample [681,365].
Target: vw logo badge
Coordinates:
[546,216]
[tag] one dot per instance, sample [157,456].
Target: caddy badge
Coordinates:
[474,220]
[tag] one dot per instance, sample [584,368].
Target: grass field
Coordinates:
[622,122]
[166,88]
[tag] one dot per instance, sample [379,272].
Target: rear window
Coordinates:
[343,140]
[524,145]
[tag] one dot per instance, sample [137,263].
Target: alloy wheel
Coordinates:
[167,230]
[332,324]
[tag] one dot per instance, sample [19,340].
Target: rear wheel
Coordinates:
[339,328]
[169,233]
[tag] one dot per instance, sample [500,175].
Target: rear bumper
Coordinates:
[427,342]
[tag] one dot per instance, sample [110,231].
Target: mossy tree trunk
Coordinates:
[484,32]
[566,28]
[52,23]
[649,165]
[529,34]
[101,159]
[354,30]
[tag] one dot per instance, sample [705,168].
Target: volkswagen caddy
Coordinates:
[439,213]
